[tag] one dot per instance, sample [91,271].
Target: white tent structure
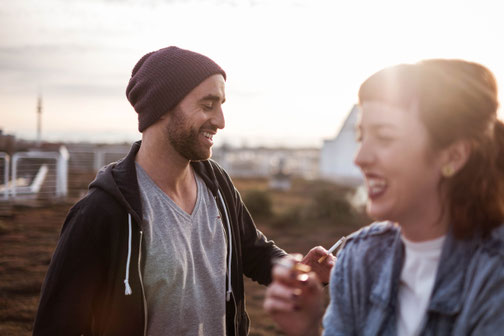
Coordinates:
[336,156]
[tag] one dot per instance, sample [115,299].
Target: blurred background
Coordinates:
[294,68]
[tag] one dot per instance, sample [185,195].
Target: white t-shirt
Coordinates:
[417,279]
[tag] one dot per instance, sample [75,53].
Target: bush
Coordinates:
[330,205]
[293,217]
[259,204]
[4,228]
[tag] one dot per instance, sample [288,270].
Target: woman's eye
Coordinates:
[385,139]
[358,134]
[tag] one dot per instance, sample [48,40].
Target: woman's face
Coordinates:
[401,172]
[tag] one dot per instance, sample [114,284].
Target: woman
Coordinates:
[432,155]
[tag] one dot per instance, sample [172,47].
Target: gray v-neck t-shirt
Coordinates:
[185,263]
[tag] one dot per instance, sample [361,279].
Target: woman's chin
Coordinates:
[377,213]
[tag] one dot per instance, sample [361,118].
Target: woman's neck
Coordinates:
[428,224]
[415,234]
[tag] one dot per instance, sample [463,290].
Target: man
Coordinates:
[162,240]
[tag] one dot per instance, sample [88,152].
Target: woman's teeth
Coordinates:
[376,186]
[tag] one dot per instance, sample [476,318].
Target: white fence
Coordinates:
[90,158]
[49,175]
[4,168]
[35,175]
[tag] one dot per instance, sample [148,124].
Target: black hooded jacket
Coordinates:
[100,256]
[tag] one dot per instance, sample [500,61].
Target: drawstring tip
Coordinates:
[228,296]
[127,289]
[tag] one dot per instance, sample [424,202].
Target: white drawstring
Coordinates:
[127,289]
[230,238]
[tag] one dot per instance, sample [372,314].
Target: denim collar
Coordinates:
[448,286]
[387,285]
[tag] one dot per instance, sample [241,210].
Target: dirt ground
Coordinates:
[28,236]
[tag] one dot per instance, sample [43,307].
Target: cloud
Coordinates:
[66,69]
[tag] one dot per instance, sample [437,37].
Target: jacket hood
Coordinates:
[119,179]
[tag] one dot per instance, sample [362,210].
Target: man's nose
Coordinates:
[218,118]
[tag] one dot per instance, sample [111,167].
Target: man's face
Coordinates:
[190,127]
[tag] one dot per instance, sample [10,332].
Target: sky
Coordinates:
[294,66]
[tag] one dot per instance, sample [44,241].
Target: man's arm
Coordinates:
[73,278]
[258,251]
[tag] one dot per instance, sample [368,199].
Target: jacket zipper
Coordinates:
[141,284]
[228,236]
[235,315]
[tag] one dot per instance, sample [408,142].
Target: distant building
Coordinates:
[7,142]
[336,156]
[280,180]
[264,161]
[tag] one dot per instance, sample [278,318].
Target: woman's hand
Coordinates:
[294,298]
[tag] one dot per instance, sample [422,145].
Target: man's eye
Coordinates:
[207,107]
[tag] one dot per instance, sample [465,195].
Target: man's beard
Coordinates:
[186,140]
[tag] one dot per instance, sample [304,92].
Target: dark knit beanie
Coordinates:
[161,79]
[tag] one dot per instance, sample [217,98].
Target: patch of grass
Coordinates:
[308,204]
[4,227]
[291,218]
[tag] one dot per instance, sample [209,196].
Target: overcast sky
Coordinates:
[294,66]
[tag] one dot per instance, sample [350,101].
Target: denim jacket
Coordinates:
[467,297]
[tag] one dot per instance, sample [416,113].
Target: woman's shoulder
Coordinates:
[486,261]
[493,245]
[370,241]
[484,298]
[374,232]
[366,253]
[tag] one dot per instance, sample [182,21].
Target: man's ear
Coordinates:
[455,157]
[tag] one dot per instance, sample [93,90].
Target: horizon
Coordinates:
[242,145]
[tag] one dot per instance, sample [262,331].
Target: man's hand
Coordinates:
[323,269]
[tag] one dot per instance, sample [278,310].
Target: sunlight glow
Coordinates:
[294,67]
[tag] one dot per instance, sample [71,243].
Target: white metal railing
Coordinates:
[39,174]
[24,188]
[92,158]
[4,164]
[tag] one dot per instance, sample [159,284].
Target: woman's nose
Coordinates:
[364,156]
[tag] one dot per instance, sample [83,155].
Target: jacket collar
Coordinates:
[384,290]
[124,174]
[447,293]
